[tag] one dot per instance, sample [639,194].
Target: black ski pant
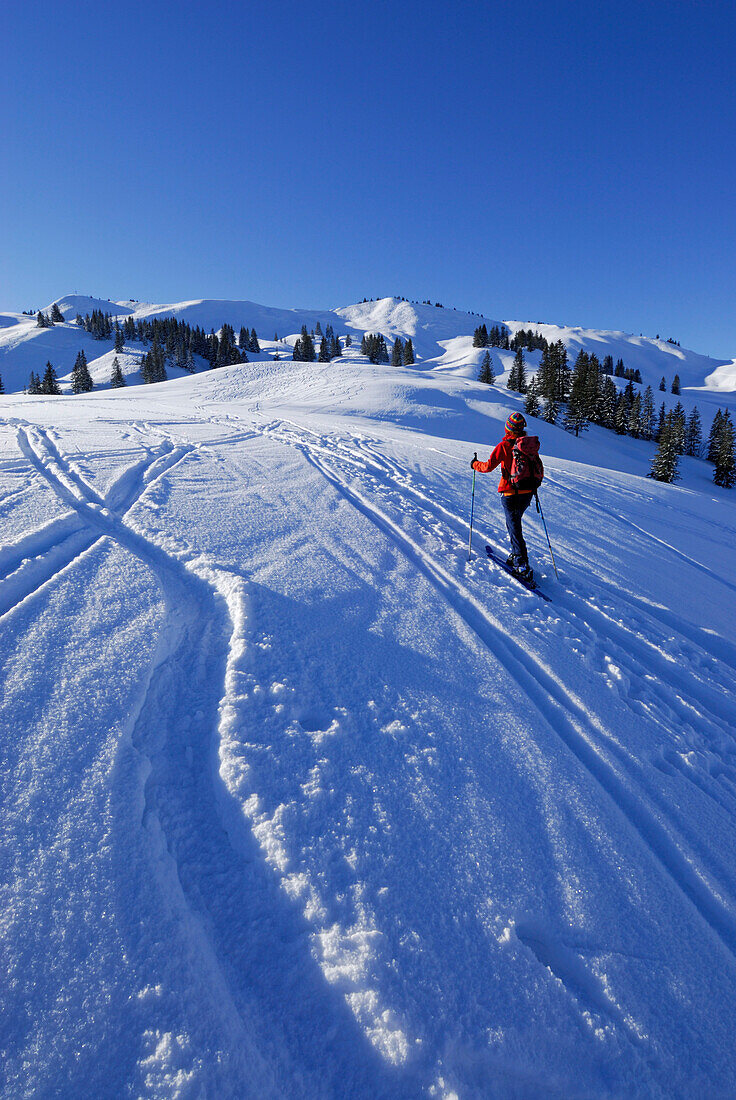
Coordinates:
[514,508]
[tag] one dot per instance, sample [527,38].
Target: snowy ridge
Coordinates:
[442,340]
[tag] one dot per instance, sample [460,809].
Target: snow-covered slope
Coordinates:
[298,801]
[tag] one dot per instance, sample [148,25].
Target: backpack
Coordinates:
[527,470]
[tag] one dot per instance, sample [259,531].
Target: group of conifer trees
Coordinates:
[48,320]
[498,337]
[402,353]
[588,395]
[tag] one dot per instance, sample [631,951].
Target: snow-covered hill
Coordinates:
[442,340]
[298,801]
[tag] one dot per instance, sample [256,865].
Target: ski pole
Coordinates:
[539,509]
[472,507]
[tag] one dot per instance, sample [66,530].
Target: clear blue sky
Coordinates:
[569,162]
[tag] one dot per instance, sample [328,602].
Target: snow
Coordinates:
[297,801]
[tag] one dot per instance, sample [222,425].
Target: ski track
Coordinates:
[223,884]
[561,710]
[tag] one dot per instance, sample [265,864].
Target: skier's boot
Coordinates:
[526,574]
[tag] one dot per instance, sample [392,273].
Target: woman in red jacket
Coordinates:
[515,501]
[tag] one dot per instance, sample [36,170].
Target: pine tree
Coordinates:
[661,420]
[42,320]
[81,378]
[57,317]
[34,385]
[349,341]
[49,384]
[576,414]
[116,377]
[663,385]
[714,437]
[609,398]
[725,459]
[531,401]
[324,351]
[666,459]
[255,346]
[486,374]
[408,352]
[694,434]
[550,410]
[397,353]
[318,329]
[517,374]
[676,384]
[621,415]
[647,414]
[634,421]
[679,426]
[119,338]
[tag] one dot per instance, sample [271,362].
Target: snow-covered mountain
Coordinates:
[299,801]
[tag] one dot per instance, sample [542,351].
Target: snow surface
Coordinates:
[297,801]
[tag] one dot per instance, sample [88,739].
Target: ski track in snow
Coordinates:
[581,731]
[317,1049]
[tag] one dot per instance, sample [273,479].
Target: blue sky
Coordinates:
[568,162]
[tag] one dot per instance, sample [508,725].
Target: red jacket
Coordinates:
[501,455]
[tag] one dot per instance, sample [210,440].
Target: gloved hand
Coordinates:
[473,461]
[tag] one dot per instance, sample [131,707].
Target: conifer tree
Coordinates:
[255,346]
[81,378]
[647,414]
[666,460]
[714,436]
[608,365]
[621,415]
[663,385]
[660,422]
[531,401]
[550,410]
[116,377]
[576,414]
[397,353]
[676,384]
[694,434]
[42,320]
[34,385]
[49,383]
[349,340]
[609,398]
[517,374]
[634,421]
[119,338]
[324,351]
[244,338]
[2,387]
[678,426]
[318,329]
[486,374]
[725,458]
[408,352]
[57,317]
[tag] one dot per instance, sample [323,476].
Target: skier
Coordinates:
[515,498]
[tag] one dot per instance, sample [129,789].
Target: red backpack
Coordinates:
[527,470]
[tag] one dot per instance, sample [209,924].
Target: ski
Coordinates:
[529,585]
